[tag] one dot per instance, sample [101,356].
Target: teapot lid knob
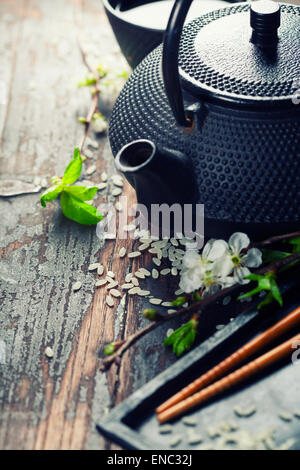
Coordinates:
[265,21]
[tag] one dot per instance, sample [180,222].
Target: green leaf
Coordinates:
[79,211]
[109,349]
[276,292]
[265,283]
[50,194]
[83,193]
[295,242]
[270,256]
[178,301]
[89,80]
[73,170]
[183,338]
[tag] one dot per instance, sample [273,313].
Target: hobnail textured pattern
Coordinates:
[247,164]
[218,65]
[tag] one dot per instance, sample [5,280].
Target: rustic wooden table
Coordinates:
[54,403]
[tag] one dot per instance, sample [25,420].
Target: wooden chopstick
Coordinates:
[235,359]
[258,364]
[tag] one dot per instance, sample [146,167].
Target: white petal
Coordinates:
[218,249]
[240,273]
[238,241]
[191,259]
[253,259]
[207,248]
[222,267]
[228,281]
[191,280]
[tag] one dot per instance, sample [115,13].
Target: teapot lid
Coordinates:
[247,54]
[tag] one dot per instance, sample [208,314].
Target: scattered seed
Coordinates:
[104,176]
[167,304]
[111,274]
[246,412]
[285,416]
[122,252]
[134,281]
[164,272]
[171,310]
[128,228]
[156,261]
[170,331]
[143,292]
[155,273]
[139,275]
[220,327]
[194,439]
[102,186]
[165,429]
[174,242]
[116,192]
[226,300]
[189,421]
[127,286]
[109,301]
[178,292]
[92,143]
[143,247]
[49,352]
[76,286]
[128,277]
[93,267]
[134,254]
[91,170]
[117,180]
[145,271]
[174,271]
[115,293]
[155,301]
[118,206]
[101,282]
[175,441]
[111,283]
[134,290]
[89,154]
[100,269]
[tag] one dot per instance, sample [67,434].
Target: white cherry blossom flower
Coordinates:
[235,261]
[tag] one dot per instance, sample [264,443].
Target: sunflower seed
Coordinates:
[102,186]
[165,429]
[174,272]
[93,267]
[109,301]
[111,274]
[111,283]
[145,271]
[134,254]
[104,176]
[101,282]
[100,269]
[116,192]
[49,352]
[128,277]
[155,301]
[165,271]
[139,275]
[156,261]
[155,273]
[76,286]
[127,286]
[115,293]
[122,252]
[134,290]
[134,281]
[175,441]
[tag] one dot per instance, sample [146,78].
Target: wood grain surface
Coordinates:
[54,403]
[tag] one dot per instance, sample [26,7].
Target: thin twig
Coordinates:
[88,120]
[193,308]
[275,239]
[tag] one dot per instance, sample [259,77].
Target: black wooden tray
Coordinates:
[133,424]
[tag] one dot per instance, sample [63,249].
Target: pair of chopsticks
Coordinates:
[200,391]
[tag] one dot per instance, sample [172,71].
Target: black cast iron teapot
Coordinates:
[213,117]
